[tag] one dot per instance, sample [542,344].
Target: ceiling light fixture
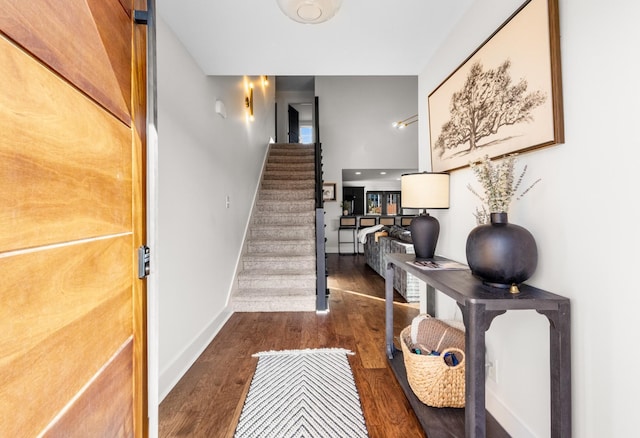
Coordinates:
[310,11]
[406,122]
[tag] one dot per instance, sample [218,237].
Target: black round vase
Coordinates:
[501,254]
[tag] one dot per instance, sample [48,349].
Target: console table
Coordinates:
[480,304]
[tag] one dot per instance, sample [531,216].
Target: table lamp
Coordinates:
[421,191]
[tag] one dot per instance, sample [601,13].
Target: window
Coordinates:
[306,134]
[383,203]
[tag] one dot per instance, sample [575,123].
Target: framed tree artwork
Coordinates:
[504,98]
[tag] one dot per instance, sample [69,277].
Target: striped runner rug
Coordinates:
[302,394]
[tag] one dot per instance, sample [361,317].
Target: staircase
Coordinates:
[278,266]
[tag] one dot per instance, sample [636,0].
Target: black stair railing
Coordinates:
[321,254]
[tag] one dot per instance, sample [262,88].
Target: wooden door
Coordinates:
[72,136]
[294,125]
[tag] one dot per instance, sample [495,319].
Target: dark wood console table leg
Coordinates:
[388,293]
[431,300]
[477,321]
[560,369]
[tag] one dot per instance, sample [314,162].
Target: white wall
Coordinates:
[202,159]
[388,185]
[355,130]
[584,216]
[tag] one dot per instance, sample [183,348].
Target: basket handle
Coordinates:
[459,354]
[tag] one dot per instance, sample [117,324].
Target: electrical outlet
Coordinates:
[228,201]
[492,370]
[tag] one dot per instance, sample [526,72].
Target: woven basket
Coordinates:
[433,381]
[429,333]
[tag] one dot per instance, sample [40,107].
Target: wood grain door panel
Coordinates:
[112,387]
[66,172]
[59,324]
[87,41]
[72,196]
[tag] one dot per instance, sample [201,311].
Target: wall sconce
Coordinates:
[406,122]
[248,103]
[221,109]
[265,80]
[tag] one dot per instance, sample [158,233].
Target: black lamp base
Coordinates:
[425,230]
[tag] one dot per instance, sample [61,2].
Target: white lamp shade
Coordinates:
[310,11]
[425,190]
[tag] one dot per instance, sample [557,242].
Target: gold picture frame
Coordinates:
[506,97]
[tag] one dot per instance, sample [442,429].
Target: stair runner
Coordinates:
[278,267]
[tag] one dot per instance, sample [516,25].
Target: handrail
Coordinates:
[318,175]
[318,160]
[321,263]
[316,129]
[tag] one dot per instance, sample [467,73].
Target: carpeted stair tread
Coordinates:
[275,281]
[283,184]
[275,247]
[302,170]
[286,241]
[293,228]
[273,240]
[291,153]
[280,257]
[304,204]
[288,175]
[287,206]
[279,263]
[287,300]
[277,275]
[279,148]
[291,159]
[293,147]
[273,218]
[287,194]
[270,232]
[297,167]
[265,294]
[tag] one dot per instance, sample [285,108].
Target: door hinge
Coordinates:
[144,255]
[140,17]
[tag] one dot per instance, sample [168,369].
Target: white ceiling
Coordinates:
[365,38]
[358,175]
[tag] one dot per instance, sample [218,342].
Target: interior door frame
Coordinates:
[153,317]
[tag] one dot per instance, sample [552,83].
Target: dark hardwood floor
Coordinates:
[208,399]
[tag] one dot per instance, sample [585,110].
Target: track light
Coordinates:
[406,122]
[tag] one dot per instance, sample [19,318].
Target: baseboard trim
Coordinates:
[507,419]
[173,372]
